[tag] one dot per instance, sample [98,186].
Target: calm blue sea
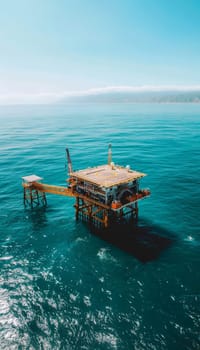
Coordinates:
[62,286]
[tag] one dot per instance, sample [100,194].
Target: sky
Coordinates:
[53,47]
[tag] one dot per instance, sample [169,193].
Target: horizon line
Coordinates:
[47,97]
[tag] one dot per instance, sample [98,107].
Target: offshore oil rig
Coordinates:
[104,194]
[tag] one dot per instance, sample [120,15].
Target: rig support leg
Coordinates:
[44,198]
[24,196]
[31,198]
[90,213]
[77,207]
[136,211]
[38,199]
[106,219]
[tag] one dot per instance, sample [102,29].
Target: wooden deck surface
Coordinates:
[107,176]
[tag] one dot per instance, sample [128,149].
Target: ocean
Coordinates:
[64,286]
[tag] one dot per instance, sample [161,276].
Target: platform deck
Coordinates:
[107,176]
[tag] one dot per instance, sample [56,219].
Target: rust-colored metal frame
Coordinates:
[32,196]
[93,213]
[101,216]
[86,208]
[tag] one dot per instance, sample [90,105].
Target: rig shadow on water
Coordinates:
[143,240]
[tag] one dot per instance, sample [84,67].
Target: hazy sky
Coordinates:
[51,46]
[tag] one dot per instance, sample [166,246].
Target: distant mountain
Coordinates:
[165,96]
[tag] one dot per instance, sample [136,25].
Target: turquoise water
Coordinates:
[62,286]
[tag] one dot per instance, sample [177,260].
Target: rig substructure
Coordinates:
[104,194]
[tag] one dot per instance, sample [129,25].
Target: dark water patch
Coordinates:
[144,241]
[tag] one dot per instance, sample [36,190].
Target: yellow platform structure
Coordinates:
[104,194]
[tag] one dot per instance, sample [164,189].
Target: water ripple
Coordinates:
[64,287]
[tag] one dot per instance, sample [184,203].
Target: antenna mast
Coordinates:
[109,154]
[69,162]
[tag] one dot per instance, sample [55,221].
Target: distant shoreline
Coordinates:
[53,104]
